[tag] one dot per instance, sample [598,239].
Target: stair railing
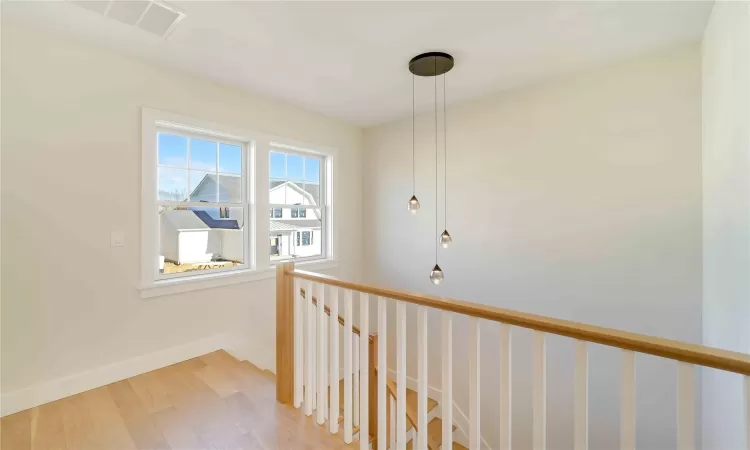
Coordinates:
[296,320]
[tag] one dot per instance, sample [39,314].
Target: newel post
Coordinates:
[285,333]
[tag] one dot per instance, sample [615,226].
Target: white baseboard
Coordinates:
[39,394]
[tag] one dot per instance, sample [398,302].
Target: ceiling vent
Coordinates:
[152,16]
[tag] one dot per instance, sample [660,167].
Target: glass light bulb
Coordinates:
[413,204]
[445,239]
[436,276]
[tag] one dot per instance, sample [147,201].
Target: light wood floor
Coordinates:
[211,402]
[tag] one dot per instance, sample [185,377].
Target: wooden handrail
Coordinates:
[641,343]
[355,329]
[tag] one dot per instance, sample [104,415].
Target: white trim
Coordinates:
[257,148]
[52,390]
[224,278]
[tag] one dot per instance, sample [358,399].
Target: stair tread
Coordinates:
[435,433]
[412,400]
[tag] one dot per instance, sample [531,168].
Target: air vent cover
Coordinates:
[153,16]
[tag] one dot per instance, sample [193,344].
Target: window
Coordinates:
[297,184]
[201,213]
[201,184]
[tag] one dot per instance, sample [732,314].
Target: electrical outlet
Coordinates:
[116,239]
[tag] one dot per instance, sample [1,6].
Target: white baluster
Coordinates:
[539,392]
[747,411]
[446,343]
[422,378]
[505,387]
[401,375]
[686,408]
[348,367]
[315,346]
[322,394]
[309,347]
[627,405]
[581,407]
[364,375]
[333,371]
[382,373]
[393,433]
[299,342]
[474,385]
[355,370]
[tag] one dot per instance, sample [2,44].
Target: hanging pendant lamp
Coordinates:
[445,238]
[413,202]
[432,64]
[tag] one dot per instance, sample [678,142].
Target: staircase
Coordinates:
[434,425]
[393,416]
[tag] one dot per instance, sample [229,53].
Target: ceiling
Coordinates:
[349,59]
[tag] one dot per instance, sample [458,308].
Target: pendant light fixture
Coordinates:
[413,202]
[432,64]
[445,238]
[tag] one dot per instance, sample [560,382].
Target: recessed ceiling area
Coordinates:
[350,59]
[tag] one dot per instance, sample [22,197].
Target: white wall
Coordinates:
[71,142]
[579,199]
[726,215]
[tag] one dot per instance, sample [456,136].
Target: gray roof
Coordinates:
[230,189]
[311,188]
[293,225]
[280,226]
[183,219]
[199,219]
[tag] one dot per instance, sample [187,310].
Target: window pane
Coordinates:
[312,194]
[200,239]
[202,155]
[172,184]
[294,167]
[230,158]
[172,150]
[298,237]
[230,188]
[278,165]
[203,186]
[312,169]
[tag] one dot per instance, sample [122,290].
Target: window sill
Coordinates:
[212,280]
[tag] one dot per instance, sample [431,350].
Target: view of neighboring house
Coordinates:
[295,232]
[196,236]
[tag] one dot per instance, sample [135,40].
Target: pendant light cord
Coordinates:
[413,146]
[436,166]
[445,161]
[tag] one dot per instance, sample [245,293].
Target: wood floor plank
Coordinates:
[139,423]
[15,431]
[217,379]
[209,403]
[47,431]
[176,430]
[150,391]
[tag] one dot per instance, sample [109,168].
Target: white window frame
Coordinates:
[323,196]
[256,177]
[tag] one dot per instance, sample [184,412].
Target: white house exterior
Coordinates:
[295,232]
[190,236]
[200,235]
